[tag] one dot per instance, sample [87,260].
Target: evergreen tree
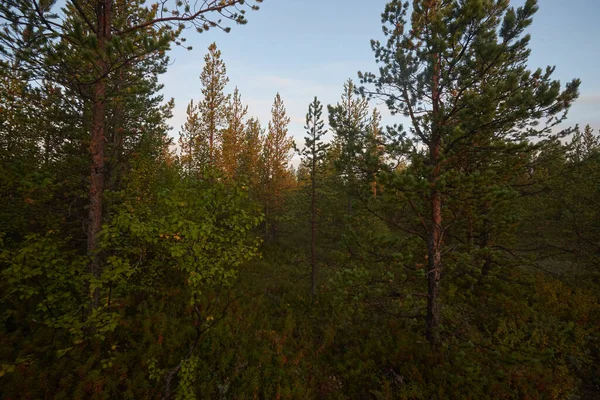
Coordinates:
[458,73]
[233,136]
[212,108]
[348,120]
[314,153]
[250,156]
[584,143]
[275,158]
[189,138]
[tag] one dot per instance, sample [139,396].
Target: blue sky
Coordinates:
[307,48]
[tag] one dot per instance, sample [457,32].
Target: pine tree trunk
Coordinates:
[434,267]
[210,149]
[434,251]
[267,199]
[97,173]
[313,230]
[276,209]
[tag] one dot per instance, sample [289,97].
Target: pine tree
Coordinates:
[250,155]
[590,141]
[213,107]
[233,136]
[584,143]
[274,164]
[348,120]
[189,138]
[459,74]
[314,153]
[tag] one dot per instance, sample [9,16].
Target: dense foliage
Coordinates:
[456,258]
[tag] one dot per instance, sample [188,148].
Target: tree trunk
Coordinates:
[97,173]
[313,229]
[276,208]
[434,244]
[434,269]
[210,149]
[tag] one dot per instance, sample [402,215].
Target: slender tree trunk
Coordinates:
[193,146]
[377,148]
[434,250]
[212,128]
[267,188]
[97,173]
[313,229]
[434,267]
[276,208]
[210,149]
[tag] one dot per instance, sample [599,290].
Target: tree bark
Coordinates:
[97,170]
[313,227]
[276,208]
[434,267]
[211,139]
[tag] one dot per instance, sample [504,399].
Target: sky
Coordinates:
[307,48]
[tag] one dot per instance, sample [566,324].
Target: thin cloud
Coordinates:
[589,99]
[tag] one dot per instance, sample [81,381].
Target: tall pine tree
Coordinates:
[233,136]
[250,157]
[212,108]
[275,159]
[458,73]
[189,138]
[314,153]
